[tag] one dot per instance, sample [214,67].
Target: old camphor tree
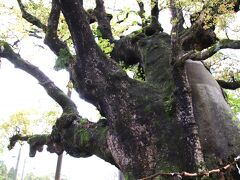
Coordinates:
[174,119]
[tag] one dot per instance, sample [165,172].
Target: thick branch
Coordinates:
[52,90]
[80,138]
[205,54]
[97,79]
[83,138]
[229,85]
[103,20]
[51,38]
[184,108]
[79,27]
[184,105]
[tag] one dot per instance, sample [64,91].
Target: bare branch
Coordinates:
[52,90]
[30,18]
[103,20]
[198,22]
[229,85]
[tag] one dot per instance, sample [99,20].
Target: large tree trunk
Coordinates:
[145,135]
[176,120]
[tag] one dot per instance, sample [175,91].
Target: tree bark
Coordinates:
[176,120]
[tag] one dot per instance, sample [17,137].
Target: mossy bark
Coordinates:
[142,137]
[148,126]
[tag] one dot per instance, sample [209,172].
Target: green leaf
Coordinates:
[62,60]
[234,101]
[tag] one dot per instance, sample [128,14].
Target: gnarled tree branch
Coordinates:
[53,91]
[80,138]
